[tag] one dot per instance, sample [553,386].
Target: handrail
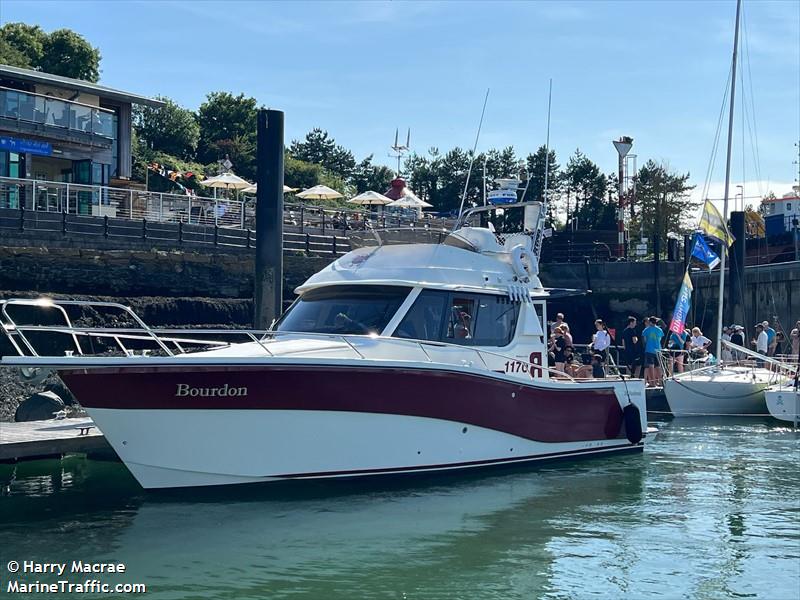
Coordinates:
[162,337]
[56,98]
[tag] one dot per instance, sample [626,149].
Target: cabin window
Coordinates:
[788,206]
[344,309]
[461,318]
[424,320]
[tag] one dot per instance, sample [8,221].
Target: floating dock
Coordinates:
[54,437]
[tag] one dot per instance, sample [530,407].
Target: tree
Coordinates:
[68,54]
[663,201]
[584,182]
[367,176]
[318,148]
[228,127]
[22,45]
[62,52]
[168,128]
[537,166]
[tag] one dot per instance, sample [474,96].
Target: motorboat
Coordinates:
[396,358]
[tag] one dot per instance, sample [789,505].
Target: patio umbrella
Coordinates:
[410,201]
[254,188]
[227,181]
[370,198]
[319,192]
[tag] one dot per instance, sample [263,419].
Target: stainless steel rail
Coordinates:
[164,338]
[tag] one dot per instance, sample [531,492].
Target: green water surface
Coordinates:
[710,510]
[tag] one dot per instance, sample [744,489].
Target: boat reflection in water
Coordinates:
[708,511]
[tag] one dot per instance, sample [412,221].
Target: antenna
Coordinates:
[537,247]
[400,150]
[472,160]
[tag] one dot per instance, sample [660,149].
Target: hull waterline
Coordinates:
[783,403]
[719,393]
[175,427]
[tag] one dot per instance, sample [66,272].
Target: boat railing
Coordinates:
[176,342]
[743,357]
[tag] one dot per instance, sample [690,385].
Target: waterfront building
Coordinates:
[63,130]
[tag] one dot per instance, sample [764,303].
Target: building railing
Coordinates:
[162,207]
[56,112]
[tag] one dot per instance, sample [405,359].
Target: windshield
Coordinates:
[344,309]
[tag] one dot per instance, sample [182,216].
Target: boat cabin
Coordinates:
[478,290]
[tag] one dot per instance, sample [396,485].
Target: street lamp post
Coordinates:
[623,146]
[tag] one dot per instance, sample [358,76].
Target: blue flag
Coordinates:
[702,252]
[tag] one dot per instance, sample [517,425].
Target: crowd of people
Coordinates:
[638,347]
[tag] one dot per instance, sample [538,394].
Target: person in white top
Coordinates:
[601,340]
[698,341]
[761,342]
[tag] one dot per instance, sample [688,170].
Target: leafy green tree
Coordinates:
[586,185]
[664,202]
[11,55]
[62,52]
[318,148]
[169,128]
[68,54]
[536,165]
[22,45]
[367,176]
[228,127]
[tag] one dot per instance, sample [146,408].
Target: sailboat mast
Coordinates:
[724,251]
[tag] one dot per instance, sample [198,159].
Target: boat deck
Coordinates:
[54,437]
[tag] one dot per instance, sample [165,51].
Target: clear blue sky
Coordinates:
[653,70]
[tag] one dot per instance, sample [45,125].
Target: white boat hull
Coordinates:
[175,426]
[179,448]
[723,392]
[783,403]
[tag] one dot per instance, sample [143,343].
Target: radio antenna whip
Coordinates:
[472,158]
[545,196]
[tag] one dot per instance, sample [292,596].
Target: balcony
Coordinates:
[46,115]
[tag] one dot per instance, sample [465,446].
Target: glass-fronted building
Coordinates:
[59,129]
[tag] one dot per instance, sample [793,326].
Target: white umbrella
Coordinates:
[319,192]
[370,198]
[227,181]
[254,188]
[409,200]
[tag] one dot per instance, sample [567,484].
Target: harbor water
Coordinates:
[710,510]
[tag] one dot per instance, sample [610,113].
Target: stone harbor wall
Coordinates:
[213,288]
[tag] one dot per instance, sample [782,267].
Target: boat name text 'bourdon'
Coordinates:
[185,390]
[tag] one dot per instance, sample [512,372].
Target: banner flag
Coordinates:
[714,225]
[682,305]
[702,252]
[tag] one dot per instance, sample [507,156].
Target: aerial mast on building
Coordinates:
[400,150]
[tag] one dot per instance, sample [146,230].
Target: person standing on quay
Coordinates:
[794,336]
[761,342]
[631,347]
[652,336]
[771,341]
[601,340]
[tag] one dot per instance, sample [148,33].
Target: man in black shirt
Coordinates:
[631,348]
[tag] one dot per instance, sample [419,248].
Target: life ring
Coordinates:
[520,254]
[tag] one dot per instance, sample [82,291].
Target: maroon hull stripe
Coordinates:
[535,413]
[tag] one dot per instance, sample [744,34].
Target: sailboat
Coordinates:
[721,389]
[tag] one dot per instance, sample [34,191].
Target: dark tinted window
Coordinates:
[344,309]
[458,318]
[496,321]
[424,319]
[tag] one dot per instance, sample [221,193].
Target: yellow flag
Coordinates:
[713,225]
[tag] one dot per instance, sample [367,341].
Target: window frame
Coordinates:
[450,296]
